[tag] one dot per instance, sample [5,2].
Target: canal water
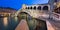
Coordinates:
[8,23]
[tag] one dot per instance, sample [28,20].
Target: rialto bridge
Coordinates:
[36,15]
[33,14]
[39,13]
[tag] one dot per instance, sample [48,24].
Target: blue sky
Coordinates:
[17,4]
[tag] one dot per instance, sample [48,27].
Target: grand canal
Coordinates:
[10,23]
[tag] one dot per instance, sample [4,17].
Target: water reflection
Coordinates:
[8,23]
[5,21]
[16,19]
[33,23]
[1,24]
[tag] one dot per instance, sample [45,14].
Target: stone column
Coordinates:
[51,2]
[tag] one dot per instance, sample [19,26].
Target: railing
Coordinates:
[56,16]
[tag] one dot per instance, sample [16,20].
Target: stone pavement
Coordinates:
[22,25]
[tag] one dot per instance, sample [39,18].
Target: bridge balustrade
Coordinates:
[56,16]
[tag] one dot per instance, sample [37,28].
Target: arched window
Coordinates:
[39,8]
[34,7]
[30,7]
[26,8]
[55,0]
[45,8]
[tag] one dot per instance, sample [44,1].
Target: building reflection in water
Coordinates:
[16,19]
[8,23]
[5,21]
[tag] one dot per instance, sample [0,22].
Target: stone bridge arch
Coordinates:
[33,23]
[23,13]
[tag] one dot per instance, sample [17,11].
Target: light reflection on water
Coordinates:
[8,23]
[5,21]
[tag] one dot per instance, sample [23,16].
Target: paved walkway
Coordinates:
[22,25]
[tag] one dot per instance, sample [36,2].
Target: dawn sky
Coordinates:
[17,4]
